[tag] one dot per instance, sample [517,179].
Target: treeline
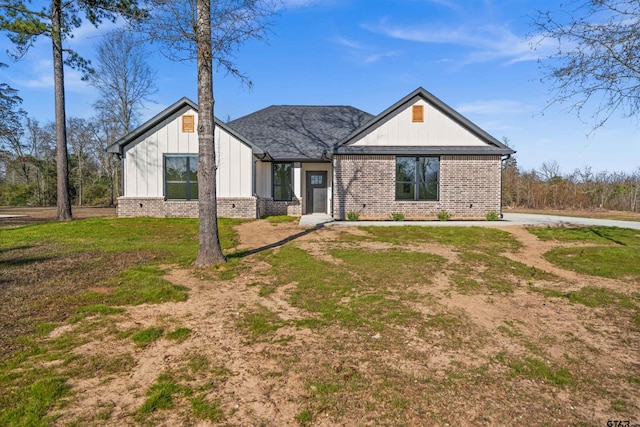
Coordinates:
[28,167]
[28,164]
[582,189]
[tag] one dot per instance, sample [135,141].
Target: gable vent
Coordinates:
[188,123]
[417,114]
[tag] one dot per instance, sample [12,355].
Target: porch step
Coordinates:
[315,220]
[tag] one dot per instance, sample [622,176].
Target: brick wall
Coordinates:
[240,207]
[129,207]
[469,187]
[270,207]
[157,207]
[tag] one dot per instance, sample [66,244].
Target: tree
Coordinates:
[83,140]
[597,59]
[123,79]
[57,22]
[11,115]
[107,133]
[198,29]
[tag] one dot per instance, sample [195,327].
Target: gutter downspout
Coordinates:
[332,183]
[121,158]
[501,183]
[254,186]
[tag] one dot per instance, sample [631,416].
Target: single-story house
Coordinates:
[418,157]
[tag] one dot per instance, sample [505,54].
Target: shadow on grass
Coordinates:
[19,262]
[15,248]
[247,252]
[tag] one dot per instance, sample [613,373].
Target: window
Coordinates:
[282,181]
[188,123]
[417,114]
[417,178]
[181,177]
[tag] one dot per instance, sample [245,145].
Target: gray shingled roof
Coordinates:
[299,132]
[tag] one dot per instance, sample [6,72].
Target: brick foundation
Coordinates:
[270,207]
[243,207]
[469,187]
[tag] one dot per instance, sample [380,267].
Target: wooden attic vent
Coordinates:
[417,114]
[188,123]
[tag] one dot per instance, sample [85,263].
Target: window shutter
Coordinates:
[188,123]
[418,113]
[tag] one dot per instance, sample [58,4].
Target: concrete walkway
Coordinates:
[322,220]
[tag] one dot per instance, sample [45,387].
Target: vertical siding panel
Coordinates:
[438,129]
[220,175]
[297,179]
[263,172]
[234,159]
[247,176]
[130,173]
[227,166]
[153,150]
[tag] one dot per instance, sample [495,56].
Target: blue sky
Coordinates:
[472,54]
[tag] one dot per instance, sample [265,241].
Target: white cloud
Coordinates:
[347,42]
[378,56]
[446,3]
[363,53]
[489,42]
[293,4]
[87,33]
[41,77]
[495,107]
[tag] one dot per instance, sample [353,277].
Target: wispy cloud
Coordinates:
[294,4]
[486,43]
[498,116]
[378,56]
[41,77]
[363,53]
[352,44]
[495,107]
[451,4]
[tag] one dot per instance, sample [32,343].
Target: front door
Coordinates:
[316,192]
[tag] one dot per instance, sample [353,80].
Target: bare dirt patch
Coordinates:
[464,359]
[21,215]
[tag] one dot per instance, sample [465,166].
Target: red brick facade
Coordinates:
[469,187]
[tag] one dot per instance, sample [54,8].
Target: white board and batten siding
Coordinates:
[143,160]
[437,129]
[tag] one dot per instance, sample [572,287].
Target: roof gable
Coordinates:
[183,104]
[444,129]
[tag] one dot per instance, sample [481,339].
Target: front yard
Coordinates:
[104,322]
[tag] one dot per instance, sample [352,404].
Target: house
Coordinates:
[418,157]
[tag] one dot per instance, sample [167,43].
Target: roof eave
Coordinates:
[423,150]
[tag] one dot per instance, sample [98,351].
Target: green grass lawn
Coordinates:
[610,252]
[395,341]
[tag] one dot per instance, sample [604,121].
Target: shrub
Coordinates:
[493,216]
[353,216]
[444,216]
[397,216]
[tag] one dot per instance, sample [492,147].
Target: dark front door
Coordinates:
[316,192]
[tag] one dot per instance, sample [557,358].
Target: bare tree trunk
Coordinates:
[62,166]
[80,180]
[209,251]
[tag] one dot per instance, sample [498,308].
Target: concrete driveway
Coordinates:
[317,220]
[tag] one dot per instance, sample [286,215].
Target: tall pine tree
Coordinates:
[25,24]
